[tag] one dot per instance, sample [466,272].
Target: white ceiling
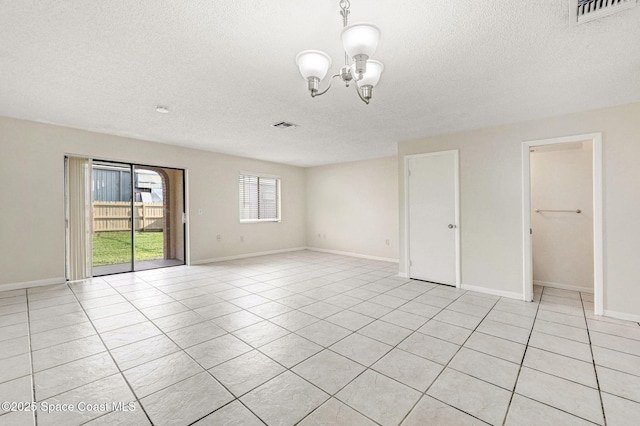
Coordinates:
[226,70]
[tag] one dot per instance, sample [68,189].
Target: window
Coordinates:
[259,198]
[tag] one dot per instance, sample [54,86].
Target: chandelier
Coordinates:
[360,42]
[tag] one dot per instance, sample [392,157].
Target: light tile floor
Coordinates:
[309,338]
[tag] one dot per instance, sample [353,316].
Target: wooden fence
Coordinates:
[115,216]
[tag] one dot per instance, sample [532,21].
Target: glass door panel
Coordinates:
[137,214]
[111,193]
[158,207]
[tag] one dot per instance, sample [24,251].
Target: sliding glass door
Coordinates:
[137,217]
[111,193]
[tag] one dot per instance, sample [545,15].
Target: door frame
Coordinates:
[407,219]
[598,256]
[131,164]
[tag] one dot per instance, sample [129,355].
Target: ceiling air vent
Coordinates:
[284,125]
[589,10]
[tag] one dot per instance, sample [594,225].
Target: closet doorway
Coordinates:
[562,215]
[137,216]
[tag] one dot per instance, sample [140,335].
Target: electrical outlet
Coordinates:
[200,212]
[386,242]
[219,237]
[319,235]
[241,238]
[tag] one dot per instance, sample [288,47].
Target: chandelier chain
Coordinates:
[344,11]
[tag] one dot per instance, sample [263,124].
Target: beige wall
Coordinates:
[562,178]
[491,199]
[356,205]
[353,208]
[32,176]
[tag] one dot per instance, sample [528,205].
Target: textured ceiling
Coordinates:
[226,70]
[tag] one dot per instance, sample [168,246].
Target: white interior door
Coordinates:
[433,217]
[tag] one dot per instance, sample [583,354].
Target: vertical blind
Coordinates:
[79,221]
[259,198]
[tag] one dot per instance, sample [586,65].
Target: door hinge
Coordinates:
[411,263]
[530,231]
[409,172]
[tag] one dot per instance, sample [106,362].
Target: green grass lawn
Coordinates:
[111,248]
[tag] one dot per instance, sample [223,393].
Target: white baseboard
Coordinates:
[265,253]
[244,256]
[622,315]
[493,292]
[563,286]
[29,284]
[361,256]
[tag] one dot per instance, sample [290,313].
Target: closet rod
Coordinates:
[559,211]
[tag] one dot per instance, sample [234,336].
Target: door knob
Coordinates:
[451,226]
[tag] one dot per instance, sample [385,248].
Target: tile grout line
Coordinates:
[331,396]
[352,332]
[366,368]
[450,359]
[524,354]
[33,374]
[230,300]
[382,356]
[227,332]
[328,347]
[138,309]
[30,374]
[235,399]
[189,355]
[112,359]
[593,360]
[373,319]
[181,349]
[221,301]
[544,372]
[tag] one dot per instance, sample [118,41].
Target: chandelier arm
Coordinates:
[313,95]
[360,94]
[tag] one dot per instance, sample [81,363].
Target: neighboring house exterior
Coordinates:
[114,184]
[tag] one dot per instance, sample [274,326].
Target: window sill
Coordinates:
[260,221]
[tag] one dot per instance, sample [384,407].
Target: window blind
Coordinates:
[259,198]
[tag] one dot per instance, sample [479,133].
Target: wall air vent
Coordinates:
[284,125]
[589,10]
